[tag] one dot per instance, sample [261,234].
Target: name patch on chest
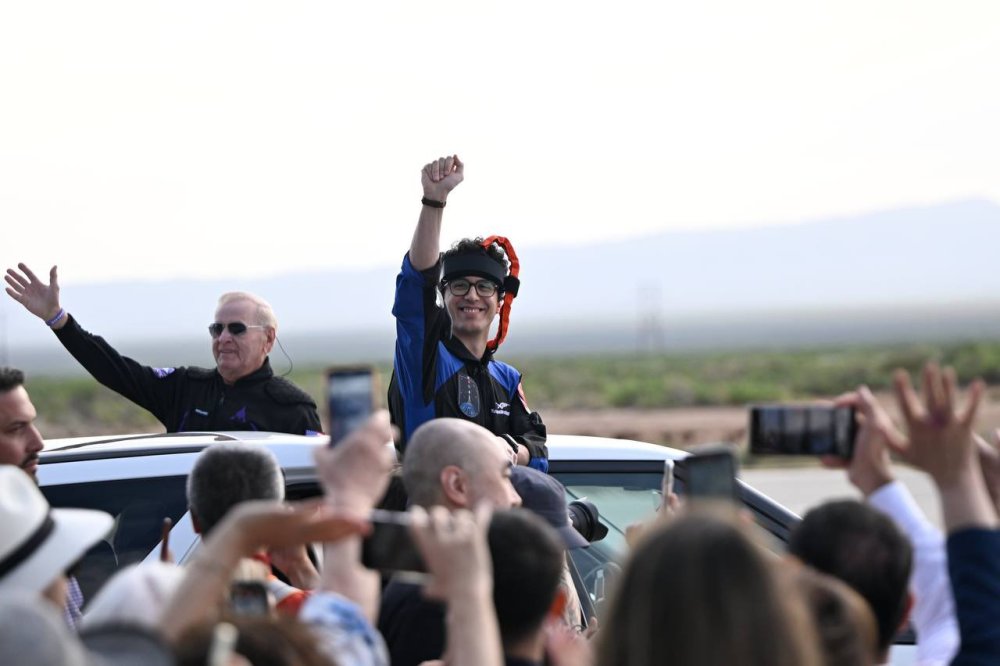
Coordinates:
[468,396]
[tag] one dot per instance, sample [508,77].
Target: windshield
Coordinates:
[622,498]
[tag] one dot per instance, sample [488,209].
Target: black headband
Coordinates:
[26,549]
[478,264]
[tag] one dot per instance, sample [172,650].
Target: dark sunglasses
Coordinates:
[235,328]
[484,288]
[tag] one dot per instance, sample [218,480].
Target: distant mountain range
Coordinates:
[913,273]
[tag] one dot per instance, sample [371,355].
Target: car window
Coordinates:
[138,507]
[621,498]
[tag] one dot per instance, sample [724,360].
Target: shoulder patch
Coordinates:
[508,377]
[284,392]
[163,372]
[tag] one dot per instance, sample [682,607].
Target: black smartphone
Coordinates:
[249,597]
[802,430]
[350,398]
[390,546]
[711,474]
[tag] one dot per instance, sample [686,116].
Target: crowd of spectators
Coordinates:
[698,586]
[286,583]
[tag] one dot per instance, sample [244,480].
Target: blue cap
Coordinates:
[543,495]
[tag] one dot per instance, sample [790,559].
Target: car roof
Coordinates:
[173,454]
[561,447]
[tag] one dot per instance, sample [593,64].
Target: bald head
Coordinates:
[456,463]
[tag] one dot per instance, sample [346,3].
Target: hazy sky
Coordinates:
[143,140]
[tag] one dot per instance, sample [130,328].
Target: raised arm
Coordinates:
[141,384]
[438,179]
[870,470]
[941,444]
[38,298]
[355,474]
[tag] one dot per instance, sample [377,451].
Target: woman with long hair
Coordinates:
[699,591]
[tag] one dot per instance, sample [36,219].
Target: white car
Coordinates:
[140,480]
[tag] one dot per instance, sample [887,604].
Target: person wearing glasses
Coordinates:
[240,393]
[444,363]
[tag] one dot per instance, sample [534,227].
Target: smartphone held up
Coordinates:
[802,430]
[350,398]
[710,473]
[390,546]
[249,598]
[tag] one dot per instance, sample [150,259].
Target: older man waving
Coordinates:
[240,393]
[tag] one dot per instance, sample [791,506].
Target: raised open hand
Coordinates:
[442,176]
[38,298]
[940,435]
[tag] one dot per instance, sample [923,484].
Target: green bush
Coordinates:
[79,405]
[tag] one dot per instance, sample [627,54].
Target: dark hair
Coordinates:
[276,641]
[698,590]
[864,548]
[528,559]
[225,475]
[10,378]
[395,497]
[848,635]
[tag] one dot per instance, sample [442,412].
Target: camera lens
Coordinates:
[584,516]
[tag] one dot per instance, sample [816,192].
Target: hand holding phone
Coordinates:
[350,395]
[669,502]
[390,545]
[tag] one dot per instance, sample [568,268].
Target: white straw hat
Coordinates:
[38,543]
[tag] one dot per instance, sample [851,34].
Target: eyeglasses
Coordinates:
[235,328]
[484,288]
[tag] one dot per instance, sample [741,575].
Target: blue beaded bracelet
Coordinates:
[59,315]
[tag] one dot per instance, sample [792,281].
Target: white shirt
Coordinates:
[933,614]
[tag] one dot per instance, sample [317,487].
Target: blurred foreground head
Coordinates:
[855,543]
[260,640]
[699,590]
[848,634]
[528,556]
[32,632]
